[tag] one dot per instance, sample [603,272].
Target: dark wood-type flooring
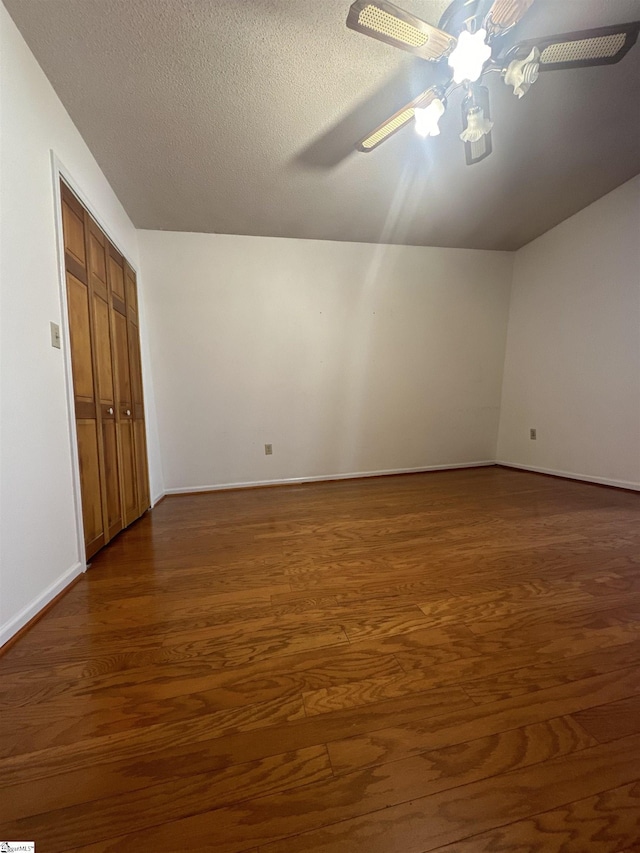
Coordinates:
[442,662]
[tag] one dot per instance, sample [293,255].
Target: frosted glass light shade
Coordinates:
[427,118]
[469,56]
[523,73]
[477,125]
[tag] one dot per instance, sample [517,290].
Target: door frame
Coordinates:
[59,171]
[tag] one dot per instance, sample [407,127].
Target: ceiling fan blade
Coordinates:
[505,14]
[602,46]
[388,23]
[479,150]
[397,121]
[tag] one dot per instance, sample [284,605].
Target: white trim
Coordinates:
[585,478]
[27,613]
[157,499]
[327,477]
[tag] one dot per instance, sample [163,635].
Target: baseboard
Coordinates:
[160,497]
[569,475]
[323,478]
[37,607]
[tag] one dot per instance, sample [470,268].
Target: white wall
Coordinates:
[348,358]
[39,551]
[572,366]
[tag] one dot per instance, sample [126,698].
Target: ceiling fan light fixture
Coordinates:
[477,125]
[523,73]
[469,56]
[427,118]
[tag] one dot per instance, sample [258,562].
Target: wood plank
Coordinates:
[378,746]
[83,730]
[597,824]
[613,720]
[347,797]
[426,823]
[445,656]
[238,743]
[254,682]
[416,825]
[550,673]
[147,805]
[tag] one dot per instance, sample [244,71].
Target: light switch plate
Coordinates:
[55,335]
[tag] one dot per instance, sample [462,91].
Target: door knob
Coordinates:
[128,412]
[110,410]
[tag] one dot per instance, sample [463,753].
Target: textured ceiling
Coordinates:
[240,116]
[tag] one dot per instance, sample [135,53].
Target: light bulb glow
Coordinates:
[469,56]
[427,118]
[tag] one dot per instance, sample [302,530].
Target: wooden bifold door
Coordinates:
[107,378]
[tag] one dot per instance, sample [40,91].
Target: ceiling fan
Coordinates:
[468,44]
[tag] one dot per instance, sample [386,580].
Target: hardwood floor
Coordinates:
[443,662]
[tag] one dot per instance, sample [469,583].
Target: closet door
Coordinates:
[99,289]
[107,378]
[135,365]
[124,397]
[88,421]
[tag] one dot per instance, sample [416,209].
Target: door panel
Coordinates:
[110,440]
[97,259]
[116,278]
[128,489]
[128,470]
[90,485]
[103,353]
[132,293]
[80,333]
[73,228]
[135,367]
[142,468]
[103,350]
[121,348]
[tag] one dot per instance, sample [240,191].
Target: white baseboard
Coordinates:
[570,475]
[157,499]
[326,477]
[12,627]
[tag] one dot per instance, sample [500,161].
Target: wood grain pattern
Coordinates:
[415,736]
[425,823]
[432,662]
[597,825]
[617,719]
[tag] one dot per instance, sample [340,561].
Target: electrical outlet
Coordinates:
[533,434]
[55,335]
[268,449]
